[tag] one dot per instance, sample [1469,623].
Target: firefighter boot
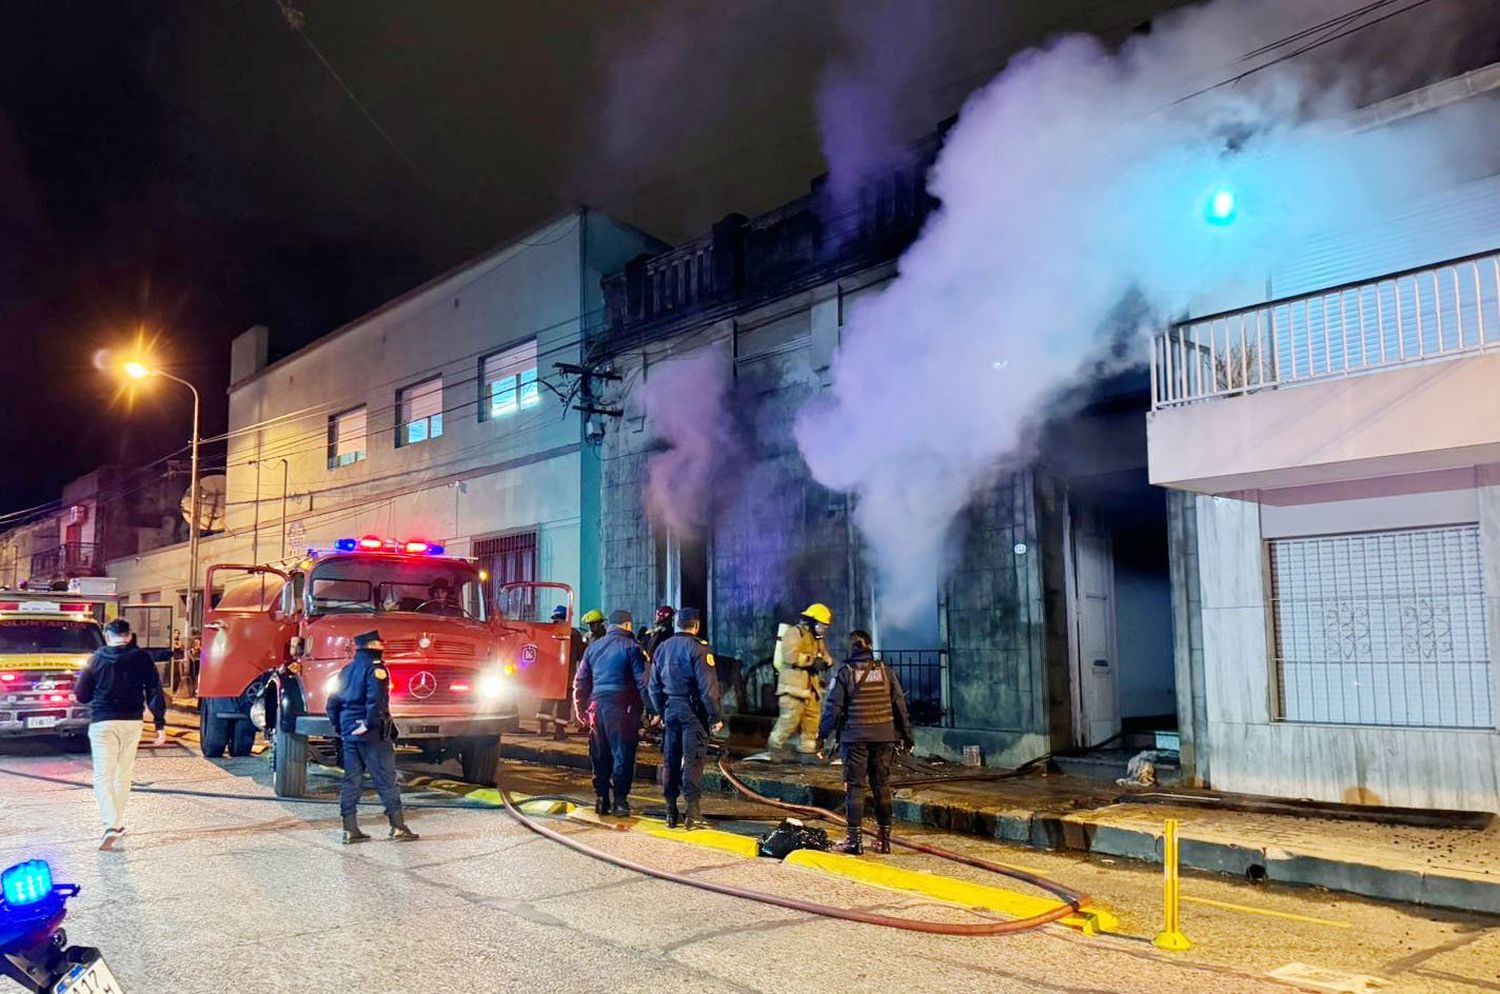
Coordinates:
[601,804]
[852,845]
[674,817]
[399,831]
[694,817]
[352,834]
[883,840]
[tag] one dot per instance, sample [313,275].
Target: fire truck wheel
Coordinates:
[479,756]
[213,731]
[289,769]
[242,739]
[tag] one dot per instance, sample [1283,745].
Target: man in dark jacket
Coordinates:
[866,709]
[609,695]
[118,683]
[685,693]
[360,712]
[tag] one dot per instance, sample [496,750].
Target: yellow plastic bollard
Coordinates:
[1170,936]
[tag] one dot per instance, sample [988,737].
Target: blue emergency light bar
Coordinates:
[371,543]
[26,883]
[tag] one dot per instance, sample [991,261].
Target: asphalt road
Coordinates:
[250,892]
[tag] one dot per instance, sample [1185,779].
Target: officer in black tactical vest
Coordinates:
[866,710]
[685,692]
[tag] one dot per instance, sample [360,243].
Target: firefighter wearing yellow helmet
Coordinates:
[801,658]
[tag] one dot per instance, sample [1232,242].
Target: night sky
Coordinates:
[192,167]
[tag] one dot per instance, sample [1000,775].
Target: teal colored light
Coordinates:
[26,883]
[1221,206]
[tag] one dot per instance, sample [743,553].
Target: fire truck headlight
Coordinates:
[491,686]
[27,883]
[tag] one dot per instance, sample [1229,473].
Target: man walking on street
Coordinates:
[609,695]
[800,659]
[685,693]
[360,713]
[118,683]
[866,710]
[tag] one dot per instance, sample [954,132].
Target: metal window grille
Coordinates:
[1382,628]
[507,559]
[421,407]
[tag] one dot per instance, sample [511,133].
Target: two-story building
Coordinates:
[1334,452]
[1053,627]
[441,415]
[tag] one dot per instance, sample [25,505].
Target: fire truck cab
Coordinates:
[45,640]
[276,640]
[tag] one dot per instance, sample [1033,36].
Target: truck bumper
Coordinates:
[424,728]
[13,724]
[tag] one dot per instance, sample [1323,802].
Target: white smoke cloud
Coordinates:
[686,411]
[1071,180]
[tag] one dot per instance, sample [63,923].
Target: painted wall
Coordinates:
[1249,751]
[481,477]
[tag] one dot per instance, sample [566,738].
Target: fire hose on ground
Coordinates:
[1072,901]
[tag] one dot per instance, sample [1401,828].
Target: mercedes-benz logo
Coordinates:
[422,686]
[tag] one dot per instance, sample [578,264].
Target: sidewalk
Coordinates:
[1448,867]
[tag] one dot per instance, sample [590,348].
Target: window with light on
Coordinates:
[421,407]
[346,438]
[509,382]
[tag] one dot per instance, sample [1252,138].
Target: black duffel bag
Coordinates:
[791,835]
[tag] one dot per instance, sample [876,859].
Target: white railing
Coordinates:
[1415,316]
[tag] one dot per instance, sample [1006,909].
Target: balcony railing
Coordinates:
[1401,319]
[65,561]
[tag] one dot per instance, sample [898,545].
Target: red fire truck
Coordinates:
[460,668]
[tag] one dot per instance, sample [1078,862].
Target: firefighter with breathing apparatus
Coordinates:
[801,658]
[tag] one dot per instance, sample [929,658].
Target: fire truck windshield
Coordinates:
[385,584]
[35,635]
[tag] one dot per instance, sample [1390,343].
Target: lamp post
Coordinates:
[140,371]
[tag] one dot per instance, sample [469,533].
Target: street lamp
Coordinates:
[139,371]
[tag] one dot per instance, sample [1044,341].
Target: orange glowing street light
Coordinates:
[137,370]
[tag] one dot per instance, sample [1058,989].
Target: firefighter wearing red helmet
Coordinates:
[801,658]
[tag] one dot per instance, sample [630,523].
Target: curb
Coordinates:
[1077,832]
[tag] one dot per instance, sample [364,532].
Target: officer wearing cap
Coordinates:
[359,710]
[609,694]
[685,692]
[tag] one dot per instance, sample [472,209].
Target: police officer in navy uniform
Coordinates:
[609,695]
[360,713]
[866,709]
[685,692]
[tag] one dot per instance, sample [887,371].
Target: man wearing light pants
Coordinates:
[118,683]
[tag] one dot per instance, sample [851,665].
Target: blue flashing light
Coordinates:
[27,883]
[1221,207]
[346,544]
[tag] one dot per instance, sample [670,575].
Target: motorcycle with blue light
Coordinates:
[34,950]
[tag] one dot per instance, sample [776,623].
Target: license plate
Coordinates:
[41,722]
[89,978]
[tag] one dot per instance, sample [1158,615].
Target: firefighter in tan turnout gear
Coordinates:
[801,659]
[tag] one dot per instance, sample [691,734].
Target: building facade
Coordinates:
[442,415]
[1334,448]
[1025,648]
[111,512]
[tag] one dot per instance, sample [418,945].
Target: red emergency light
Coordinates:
[371,543]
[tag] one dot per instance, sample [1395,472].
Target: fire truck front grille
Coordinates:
[440,648]
[422,684]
